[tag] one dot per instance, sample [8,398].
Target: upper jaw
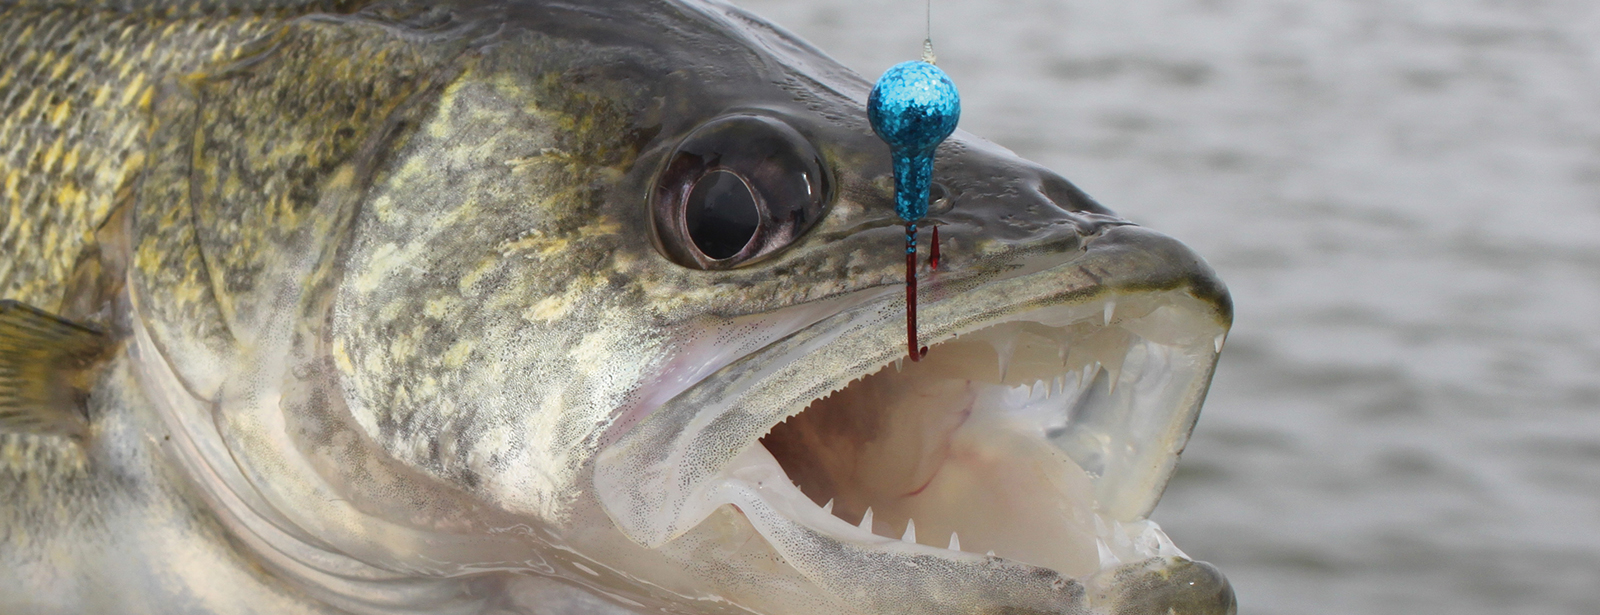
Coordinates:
[698,450]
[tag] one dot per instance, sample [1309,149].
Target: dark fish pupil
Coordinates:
[721,214]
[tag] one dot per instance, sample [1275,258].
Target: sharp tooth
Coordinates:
[828,508]
[899,364]
[1108,560]
[1111,306]
[990,553]
[1003,350]
[955,542]
[1218,341]
[911,531]
[866,520]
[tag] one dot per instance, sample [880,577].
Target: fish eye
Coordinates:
[737,189]
[721,214]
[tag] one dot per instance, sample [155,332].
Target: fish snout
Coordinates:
[1162,585]
[995,197]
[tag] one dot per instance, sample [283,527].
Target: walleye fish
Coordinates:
[555,307]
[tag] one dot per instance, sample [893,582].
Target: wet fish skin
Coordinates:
[390,258]
[108,523]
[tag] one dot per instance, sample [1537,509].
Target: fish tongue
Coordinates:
[884,575]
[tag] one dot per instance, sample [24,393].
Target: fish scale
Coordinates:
[71,118]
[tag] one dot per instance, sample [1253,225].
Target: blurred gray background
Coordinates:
[1404,196]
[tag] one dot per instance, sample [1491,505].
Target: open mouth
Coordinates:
[1014,467]
[1001,440]
[973,449]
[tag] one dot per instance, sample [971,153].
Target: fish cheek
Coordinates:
[487,322]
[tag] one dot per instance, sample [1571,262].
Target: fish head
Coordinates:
[624,304]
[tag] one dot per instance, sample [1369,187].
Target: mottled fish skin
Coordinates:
[383,284]
[93,96]
[77,81]
[77,84]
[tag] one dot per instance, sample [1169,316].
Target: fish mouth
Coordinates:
[992,435]
[1012,468]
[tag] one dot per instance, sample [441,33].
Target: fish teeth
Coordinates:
[911,531]
[955,542]
[1003,350]
[1218,341]
[990,553]
[828,508]
[1108,560]
[866,520]
[1111,307]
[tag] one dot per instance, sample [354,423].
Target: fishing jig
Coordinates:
[914,107]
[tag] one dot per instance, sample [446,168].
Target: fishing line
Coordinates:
[927,39]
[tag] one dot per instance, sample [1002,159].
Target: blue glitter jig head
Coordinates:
[913,108]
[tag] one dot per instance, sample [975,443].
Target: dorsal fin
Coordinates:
[45,367]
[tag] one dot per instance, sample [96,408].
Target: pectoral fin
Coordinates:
[46,365]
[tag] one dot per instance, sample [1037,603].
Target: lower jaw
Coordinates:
[974,507]
[1006,519]
[771,550]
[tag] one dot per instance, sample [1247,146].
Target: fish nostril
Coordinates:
[939,200]
[1067,196]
